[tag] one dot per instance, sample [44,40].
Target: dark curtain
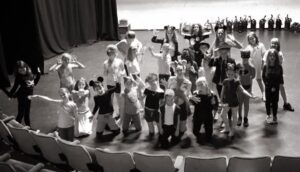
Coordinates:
[107,19]
[19,34]
[4,80]
[63,24]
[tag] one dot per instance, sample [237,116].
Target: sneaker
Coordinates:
[288,106]
[269,119]
[239,122]
[246,124]
[224,131]
[274,121]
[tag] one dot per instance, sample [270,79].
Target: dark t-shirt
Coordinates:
[204,107]
[230,92]
[152,98]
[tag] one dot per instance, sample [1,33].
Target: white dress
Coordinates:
[83,125]
[256,57]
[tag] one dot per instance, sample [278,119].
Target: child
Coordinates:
[130,106]
[257,51]
[25,81]
[130,40]
[153,95]
[64,67]
[113,66]
[133,61]
[67,113]
[205,102]
[246,73]
[273,78]
[191,68]
[229,99]
[276,45]
[164,63]
[81,95]
[169,120]
[103,103]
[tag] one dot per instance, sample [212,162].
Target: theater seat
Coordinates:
[242,164]
[50,150]
[24,140]
[5,134]
[77,156]
[156,163]
[284,163]
[114,161]
[192,164]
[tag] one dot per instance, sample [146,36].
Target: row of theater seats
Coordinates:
[83,158]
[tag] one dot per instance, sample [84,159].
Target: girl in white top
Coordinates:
[67,113]
[257,51]
[81,95]
[275,44]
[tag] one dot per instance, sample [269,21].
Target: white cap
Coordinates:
[169,92]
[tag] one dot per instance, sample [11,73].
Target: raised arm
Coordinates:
[55,66]
[233,42]
[156,55]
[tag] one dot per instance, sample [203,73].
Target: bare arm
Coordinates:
[157,55]
[46,98]
[245,91]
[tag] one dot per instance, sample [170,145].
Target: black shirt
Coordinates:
[152,98]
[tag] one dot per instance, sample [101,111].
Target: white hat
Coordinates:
[169,92]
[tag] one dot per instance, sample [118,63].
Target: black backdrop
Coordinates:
[34,30]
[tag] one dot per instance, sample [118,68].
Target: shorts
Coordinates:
[184,111]
[151,115]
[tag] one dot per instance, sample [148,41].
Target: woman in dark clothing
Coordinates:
[24,83]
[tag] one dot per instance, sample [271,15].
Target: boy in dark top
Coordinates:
[252,24]
[205,102]
[287,22]
[278,23]
[103,103]
[271,23]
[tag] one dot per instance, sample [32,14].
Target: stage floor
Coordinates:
[256,140]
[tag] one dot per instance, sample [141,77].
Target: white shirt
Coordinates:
[169,114]
[66,115]
[110,69]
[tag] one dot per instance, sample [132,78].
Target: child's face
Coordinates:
[111,54]
[179,70]
[22,70]
[64,94]
[272,58]
[202,88]
[65,60]
[203,48]
[128,84]
[169,99]
[99,89]
[252,40]
[81,85]
[196,28]
[153,82]
[221,34]
[230,74]
[274,44]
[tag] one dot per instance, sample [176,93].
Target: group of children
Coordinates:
[202,75]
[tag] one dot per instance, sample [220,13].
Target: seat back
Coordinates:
[49,147]
[77,156]
[108,161]
[192,164]
[6,167]
[153,163]
[258,164]
[5,134]
[24,140]
[284,163]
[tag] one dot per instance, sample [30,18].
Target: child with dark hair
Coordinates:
[262,23]
[81,95]
[171,38]
[205,102]
[25,81]
[229,99]
[246,73]
[275,44]
[64,68]
[191,68]
[278,23]
[103,105]
[131,106]
[273,78]
[67,113]
[271,23]
[153,95]
[287,22]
